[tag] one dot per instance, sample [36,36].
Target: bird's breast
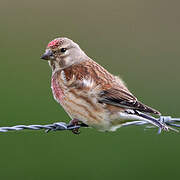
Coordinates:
[57,89]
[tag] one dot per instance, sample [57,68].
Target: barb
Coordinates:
[61,126]
[167,120]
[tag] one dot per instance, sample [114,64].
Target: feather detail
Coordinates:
[121,98]
[111,89]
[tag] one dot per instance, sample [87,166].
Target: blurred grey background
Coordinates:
[136,39]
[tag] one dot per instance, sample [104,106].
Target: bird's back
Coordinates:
[111,89]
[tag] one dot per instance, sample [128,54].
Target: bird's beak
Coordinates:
[48,55]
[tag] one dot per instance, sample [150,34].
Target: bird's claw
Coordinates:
[76,131]
[74,125]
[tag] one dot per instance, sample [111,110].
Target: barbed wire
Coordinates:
[168,120]
[58,126]
[61,126]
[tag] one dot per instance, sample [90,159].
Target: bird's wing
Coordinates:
[123,98]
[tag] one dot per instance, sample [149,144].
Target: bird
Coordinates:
[91,95]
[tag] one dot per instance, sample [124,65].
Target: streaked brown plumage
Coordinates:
[88,92]
[113,92]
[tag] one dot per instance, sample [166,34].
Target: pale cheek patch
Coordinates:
[62,63]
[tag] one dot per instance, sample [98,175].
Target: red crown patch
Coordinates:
[55,43]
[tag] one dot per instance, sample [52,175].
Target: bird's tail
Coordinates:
[153,121]
[162,125]
[146,109]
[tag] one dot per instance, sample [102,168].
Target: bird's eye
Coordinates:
[63,49]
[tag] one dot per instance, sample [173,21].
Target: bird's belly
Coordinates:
[81,106]
[84,108]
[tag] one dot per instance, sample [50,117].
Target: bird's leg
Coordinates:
[75,122]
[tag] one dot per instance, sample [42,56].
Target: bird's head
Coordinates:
[62,53]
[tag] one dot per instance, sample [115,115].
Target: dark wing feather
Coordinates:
[123,98]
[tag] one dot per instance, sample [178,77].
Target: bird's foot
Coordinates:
[76,122]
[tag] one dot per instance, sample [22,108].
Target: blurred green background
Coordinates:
[137,39]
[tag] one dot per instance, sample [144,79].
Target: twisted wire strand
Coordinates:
[168,120]
[49,127]
[61,126]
